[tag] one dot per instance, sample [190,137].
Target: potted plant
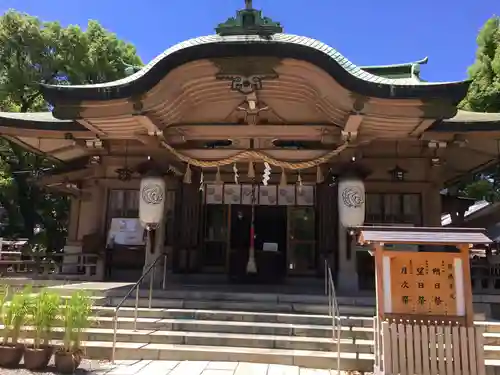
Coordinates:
[75,314]
[4,293]
[13,318]
[42,312]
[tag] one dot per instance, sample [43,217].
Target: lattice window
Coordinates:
[393,208]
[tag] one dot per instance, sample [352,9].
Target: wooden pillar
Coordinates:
[431,207]
[327,224]
[74,219]
[187,219]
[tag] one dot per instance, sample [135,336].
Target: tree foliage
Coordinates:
[484,91]
[31,52]
[484,96]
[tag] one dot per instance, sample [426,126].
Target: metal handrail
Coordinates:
[136,287]
[333,310]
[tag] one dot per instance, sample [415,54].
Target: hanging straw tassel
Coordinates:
[236,175]
[251,170]
[202,182]
[283,181]
[187,175]
[218,178]
[299,183]
[319,175]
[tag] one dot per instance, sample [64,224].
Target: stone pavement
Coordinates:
[203,368]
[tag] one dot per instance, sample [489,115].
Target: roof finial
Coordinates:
[249,21]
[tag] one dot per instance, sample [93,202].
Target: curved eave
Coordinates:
[342,70]
[38,121]
[465,121]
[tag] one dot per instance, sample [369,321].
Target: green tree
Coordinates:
[31,52]
[484,96]
[484,91]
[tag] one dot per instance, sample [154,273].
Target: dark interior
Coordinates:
[240,241]
[270,226]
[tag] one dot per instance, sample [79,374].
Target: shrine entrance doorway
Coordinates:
[285,239]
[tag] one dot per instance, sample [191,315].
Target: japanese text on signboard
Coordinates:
[423,283]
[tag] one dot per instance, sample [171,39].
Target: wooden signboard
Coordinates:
[424,302]
[430,285]
[424,284]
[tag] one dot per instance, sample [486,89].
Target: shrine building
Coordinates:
[252,130]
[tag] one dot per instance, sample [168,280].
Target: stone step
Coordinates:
[95,289]
[233,347]
[492,338]
[302,358]
[216,339]
[361,362]
[96,300]
[282,307]
[489,326]
[217,326]
[246,316]
[211,295]
[492,352]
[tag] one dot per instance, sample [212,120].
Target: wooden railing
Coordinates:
[416,348]
[485,276]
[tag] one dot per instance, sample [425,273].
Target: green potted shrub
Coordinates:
[4,293]
[75,314]
[42,312]
[13,318]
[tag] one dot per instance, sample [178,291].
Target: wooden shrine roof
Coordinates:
[423,235]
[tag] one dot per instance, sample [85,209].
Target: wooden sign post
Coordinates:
[425,316]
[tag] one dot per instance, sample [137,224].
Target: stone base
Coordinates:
[71,253]
[347,281]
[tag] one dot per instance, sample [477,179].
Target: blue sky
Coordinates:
[365,31]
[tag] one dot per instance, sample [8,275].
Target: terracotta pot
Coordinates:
[10,355]
[78,356]
[37,359]
[67,362]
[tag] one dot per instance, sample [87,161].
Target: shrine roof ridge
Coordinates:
[280,45]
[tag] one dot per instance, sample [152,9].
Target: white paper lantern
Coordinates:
[151,200]
[351,198]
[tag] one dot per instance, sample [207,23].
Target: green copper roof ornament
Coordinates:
[249,21]
[130,69]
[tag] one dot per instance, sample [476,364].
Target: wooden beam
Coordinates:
[37,133]
[30,148]
[445,136]
[165,159]
[64,177]
[148,124]
[423,126]
[351,128]
[76,145]
[290,155]
[91,127]
[148,140]
[213,132]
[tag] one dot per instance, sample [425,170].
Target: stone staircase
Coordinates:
[246,327]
